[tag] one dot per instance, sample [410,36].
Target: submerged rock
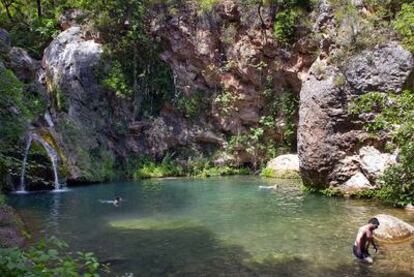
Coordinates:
[392,229]
[283,166]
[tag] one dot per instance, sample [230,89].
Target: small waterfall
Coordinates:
[22,187]
[51,152]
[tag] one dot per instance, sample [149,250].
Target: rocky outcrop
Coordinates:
[283,166]
[11,228]
[331,142]
[229,55]
[384,69]
[392,229]
[5,41]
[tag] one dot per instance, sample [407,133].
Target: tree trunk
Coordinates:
[39,8]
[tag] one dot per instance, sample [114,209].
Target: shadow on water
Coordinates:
[196,251]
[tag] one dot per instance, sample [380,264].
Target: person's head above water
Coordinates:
[374,223]
[118,198]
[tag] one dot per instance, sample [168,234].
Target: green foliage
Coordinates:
[27,29]
[17,108]
[191,106]
[226,101]
[148,168]
[204,168]
[47,258]
[116,81]
[137,73]
[404,23]
[393,114]
[103,164]
[285,25]
[280,174]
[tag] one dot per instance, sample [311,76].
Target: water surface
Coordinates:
[214,227]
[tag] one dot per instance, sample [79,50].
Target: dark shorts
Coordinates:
[364,254]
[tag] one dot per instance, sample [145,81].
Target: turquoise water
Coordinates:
[214,227]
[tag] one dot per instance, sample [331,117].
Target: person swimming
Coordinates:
[364,238]
[116,202]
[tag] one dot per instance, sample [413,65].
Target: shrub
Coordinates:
[393,114]
[46,258]
[404,23]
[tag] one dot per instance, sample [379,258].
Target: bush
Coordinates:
[404,23]
[46,258]
[393,114]
[148,168]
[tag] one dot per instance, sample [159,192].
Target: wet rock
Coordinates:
[392,229]
[79,101]
[5,42]
[386,69]
[24,66]
[284,166]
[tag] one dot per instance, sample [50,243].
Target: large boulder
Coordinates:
[392,229]
[79,108]
[283,166]
[333,149]
[373,163]
[386,68]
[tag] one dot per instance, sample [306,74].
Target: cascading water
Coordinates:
[51,152]
[22,187]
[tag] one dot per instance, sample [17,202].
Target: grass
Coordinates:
[280,174]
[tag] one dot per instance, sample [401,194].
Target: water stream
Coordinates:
[52,154]
[214,227]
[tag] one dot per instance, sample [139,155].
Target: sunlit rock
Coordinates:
[392,229]
[283,166]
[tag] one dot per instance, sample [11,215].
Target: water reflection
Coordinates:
[213,227]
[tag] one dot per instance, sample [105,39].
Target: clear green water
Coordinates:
[214,227]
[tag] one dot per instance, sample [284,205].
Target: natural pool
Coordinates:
[214,227]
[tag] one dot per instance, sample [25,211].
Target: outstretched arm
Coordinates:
[374,244]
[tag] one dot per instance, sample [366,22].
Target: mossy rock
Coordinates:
[280,174]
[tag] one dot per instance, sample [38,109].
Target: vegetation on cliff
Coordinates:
[393,117]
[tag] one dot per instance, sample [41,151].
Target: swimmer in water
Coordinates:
[117,201]
[364,238]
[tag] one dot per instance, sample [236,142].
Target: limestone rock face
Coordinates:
[78,100]
[392,229]
[285,162]
[333,149]
[373,162]
[386,69]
